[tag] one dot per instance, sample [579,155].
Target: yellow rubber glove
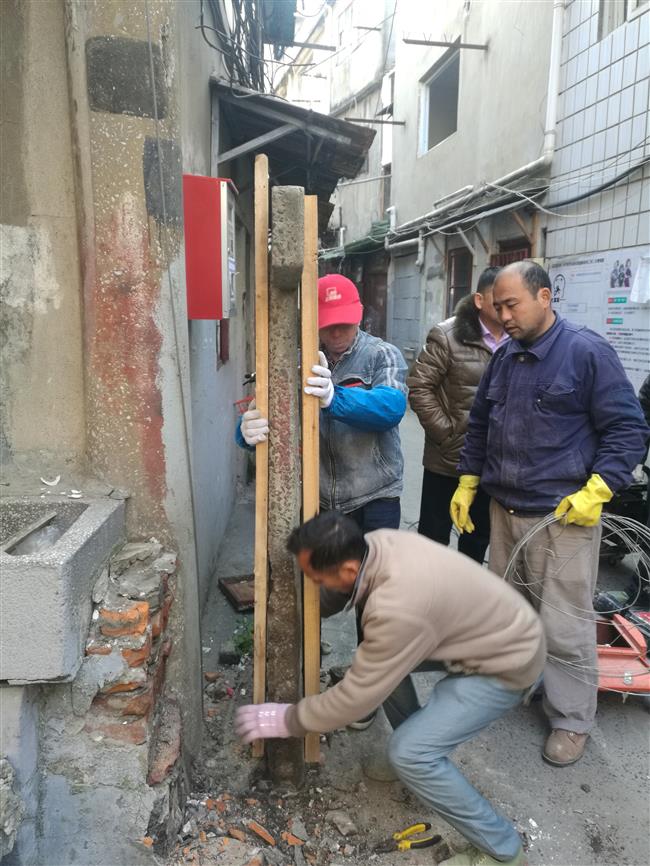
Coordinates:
[584,506]
[461,502]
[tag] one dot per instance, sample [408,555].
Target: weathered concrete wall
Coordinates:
[135,327]
[128,242]
[41,374]
[501,101]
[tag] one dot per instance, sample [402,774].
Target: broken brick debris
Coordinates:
[262,832]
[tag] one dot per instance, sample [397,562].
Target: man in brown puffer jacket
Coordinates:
[442,385]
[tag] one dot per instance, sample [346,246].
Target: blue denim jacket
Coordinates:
[549,415]
[360,451]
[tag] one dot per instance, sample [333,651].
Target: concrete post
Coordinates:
[285,757]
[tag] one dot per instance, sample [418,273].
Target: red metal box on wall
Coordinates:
[208,211]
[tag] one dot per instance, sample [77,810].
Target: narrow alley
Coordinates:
[324,432]
[590,814]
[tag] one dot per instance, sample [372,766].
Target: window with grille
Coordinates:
[515,250]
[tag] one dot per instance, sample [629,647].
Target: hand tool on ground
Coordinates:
[402,841]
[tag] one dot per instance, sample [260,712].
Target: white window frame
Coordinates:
[636,8]
[631,9]
[425,84]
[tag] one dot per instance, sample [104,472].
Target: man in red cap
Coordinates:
[361,385]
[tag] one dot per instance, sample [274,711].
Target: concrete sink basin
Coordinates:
[51,553]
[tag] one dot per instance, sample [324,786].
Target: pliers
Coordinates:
[401,840]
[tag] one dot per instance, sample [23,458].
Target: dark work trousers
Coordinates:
[435,520]
[377,514]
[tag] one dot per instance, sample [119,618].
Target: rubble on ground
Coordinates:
[235,816]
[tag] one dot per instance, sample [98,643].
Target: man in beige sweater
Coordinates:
[424,605]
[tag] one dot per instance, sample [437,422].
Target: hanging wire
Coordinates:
[574,177]
[632,540]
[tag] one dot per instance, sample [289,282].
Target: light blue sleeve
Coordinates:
[380,407]
[372,411]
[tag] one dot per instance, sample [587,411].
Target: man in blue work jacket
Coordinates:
[361,384]
[555,427]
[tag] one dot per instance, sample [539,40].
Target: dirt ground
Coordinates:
[592,814]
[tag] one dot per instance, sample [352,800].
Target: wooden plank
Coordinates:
[535,231]
[261,450]
[482,241]
[522,225]
[310,458]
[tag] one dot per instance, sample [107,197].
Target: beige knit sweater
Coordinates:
[423,601]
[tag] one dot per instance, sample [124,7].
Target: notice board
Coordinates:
[609,292]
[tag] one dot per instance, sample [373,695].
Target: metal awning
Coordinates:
[369,243]
[305,148]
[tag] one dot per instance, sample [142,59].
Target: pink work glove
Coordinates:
[262,722]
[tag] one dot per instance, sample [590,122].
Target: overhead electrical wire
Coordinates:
[576,177]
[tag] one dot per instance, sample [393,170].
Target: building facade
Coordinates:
[598,231]
[515,130]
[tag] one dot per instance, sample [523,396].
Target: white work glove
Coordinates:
[262,722]
[321,385]
[254,428]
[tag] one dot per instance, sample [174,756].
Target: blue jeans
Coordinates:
[459,708]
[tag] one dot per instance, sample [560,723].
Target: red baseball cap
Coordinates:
[338,301]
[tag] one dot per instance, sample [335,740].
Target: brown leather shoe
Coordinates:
[564,747]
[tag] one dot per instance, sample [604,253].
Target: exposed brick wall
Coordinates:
[132,606]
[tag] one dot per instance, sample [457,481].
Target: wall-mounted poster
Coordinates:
[610,293]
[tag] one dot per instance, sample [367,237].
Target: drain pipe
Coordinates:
[419,262]
[550,129]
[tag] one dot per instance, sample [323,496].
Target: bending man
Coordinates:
[414,596]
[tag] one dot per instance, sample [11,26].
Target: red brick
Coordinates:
[262,832]
[139,703]
[136,657]
[156,623]
[161,617]
[135,731]
[127,619]
[290,839]
[98,649]
[129,681]
[237,834]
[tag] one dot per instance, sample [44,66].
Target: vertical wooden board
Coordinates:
[310,457]
[261,450]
